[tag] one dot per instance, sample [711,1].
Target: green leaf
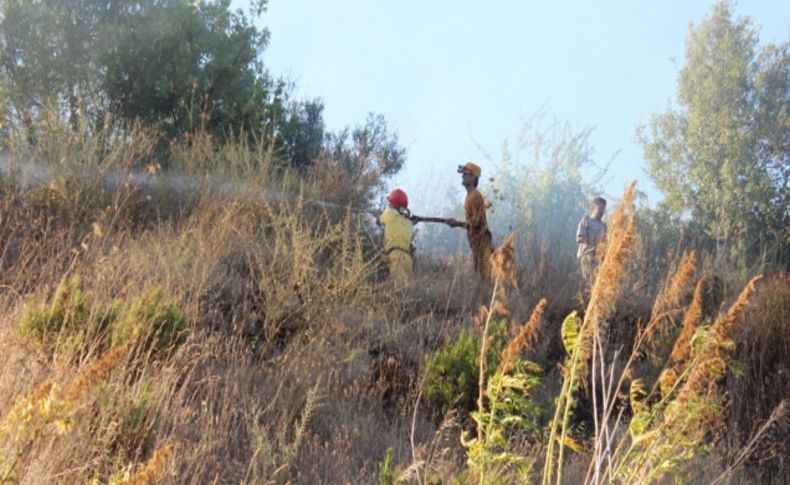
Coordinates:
[570,332]
[701,341]
[639,423]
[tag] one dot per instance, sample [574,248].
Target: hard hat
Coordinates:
[470,167]
[398,198]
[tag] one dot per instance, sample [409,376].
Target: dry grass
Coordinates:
[283,302]
[154,468]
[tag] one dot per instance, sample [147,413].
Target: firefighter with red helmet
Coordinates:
[398,231]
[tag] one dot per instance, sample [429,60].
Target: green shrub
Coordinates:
[66,319]
[132,416]
[510,416]
[139,409]
[64,324]
[387,471]
[157,321]
[451,373]
[68,309]
[139,419]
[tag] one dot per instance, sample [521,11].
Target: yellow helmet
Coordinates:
[470,167]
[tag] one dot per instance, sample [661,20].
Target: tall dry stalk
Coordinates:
[32,401]
[691,406]
[525,339]
[603,297]
[691,320]
[778,418]
[609,386]
[95,372]
[665,310]
[722,327]
[504,271]
[47,404]
[674,290]
[154,468]
[21,427]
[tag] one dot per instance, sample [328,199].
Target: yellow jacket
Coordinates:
[397,230]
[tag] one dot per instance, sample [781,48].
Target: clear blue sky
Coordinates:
[456,78]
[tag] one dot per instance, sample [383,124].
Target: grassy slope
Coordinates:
[301,363]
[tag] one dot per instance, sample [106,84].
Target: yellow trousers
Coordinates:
[481,254]
[400,265]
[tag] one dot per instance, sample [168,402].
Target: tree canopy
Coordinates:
[174,62]
[721,153]
[177,64]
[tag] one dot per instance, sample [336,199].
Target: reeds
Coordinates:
[503,403]
[723,327]
[682,347]
[678,284]
[503,262]
[32,401]
[27,422]
[503,270]
[605,291]
[691,407]
[525,339]
[665,308]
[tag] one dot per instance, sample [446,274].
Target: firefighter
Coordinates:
[476,226]
[398,230]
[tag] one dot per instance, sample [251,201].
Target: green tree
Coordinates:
[178,63]
[300,136]
[185,65]
[721,153]
[182,66]
[43,55]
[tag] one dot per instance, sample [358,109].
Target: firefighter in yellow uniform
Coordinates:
[397,236]
[476,225]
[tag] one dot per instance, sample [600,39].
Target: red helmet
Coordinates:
[398,198]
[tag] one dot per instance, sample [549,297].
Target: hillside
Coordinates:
[217,336]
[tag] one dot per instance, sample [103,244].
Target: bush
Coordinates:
[64,324]
[156,320]
[68,309]
[452,373]
[70,315]
[127,421]
[139,419]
